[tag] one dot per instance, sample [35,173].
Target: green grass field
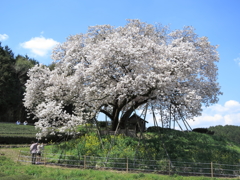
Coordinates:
[12,129]
[12,170]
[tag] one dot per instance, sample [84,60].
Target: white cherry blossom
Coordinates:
[118,70]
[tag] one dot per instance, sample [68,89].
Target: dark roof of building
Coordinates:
[135,116]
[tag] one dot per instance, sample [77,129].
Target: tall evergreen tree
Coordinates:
[7,79]
[13,76]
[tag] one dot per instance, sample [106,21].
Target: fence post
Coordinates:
[169,167]
[18,155]
[211,169]
[44,156]
[79,161]
[127,165]
[84,163]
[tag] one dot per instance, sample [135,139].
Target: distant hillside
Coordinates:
[200,147]
[230,132]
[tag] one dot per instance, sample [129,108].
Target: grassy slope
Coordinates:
[178,144]
[11,129]
[181,146]
[201,147]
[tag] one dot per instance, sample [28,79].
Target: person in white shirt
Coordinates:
[33,151]
[40,148]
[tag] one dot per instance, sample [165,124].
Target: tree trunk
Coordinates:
[115,120]
[123,120]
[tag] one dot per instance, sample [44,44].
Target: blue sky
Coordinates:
[34,27]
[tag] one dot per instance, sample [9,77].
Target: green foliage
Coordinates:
[198,147]
[177,145]
[229,132]
[13,76]
[154,129]
[102,124]
[52,66]
[181,146]
[7,79]
[21,67]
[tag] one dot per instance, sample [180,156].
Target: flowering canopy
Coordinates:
[118,70]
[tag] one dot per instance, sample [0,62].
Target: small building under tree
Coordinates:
[135,122]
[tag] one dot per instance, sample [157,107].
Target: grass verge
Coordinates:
[11,170]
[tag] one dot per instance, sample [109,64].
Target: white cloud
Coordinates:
[39,46]
[237,60]
[227,114]
[207,120]
[232,119]
[3,37]
[230,106]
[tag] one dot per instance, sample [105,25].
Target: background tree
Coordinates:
[118,70]
[13,76]
[7,80]
[228,131]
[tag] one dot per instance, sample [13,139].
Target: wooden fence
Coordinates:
[135,165]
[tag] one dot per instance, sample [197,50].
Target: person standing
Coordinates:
[39,152]
[33,151]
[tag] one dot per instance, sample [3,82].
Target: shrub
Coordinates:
[154,129]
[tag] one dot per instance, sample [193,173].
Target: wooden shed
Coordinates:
[135,122]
